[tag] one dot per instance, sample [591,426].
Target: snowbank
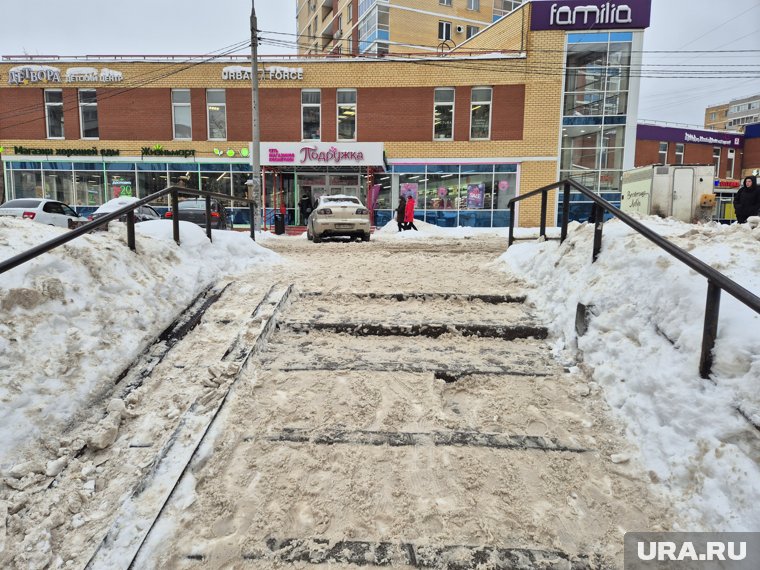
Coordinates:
[643,345]
[72,319]
[427,231]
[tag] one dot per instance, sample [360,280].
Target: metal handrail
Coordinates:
[129,210]
[716,281]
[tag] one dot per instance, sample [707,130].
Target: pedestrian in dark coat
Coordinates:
[305,205]
[747,200]
[409,213]
[400,213]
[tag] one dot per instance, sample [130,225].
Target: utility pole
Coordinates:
[255,188]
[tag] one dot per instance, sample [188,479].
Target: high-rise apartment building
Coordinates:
[735,114]
[405,26]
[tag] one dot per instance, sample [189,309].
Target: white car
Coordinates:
[44,211]
[142,213]
[338,215]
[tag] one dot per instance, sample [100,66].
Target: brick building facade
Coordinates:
[466,132]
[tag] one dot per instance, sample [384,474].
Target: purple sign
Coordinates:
[589,15]
[671,134]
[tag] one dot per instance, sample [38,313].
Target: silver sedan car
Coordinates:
[336,216]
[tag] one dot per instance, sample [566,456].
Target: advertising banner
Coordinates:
[409,189]
[476,196]
[121,187]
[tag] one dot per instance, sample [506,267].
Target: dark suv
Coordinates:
[194,210]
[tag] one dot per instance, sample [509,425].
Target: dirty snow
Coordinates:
[643,345]
[71,320]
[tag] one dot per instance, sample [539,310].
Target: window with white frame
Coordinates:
[473,5]
[444,30]
[662,156]
[311,113]
[443,114]
[679,153]
[54,113]
[716,160]
[730,163]
[444,2]
[480,113]
[471,31]
[88,113]
[350,13]
[346,114]
[216,112]
[181,116]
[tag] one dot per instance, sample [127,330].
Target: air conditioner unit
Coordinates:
[460,29]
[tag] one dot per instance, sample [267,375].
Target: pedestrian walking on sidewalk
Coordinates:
[747,200]
[400,213]
[409,213]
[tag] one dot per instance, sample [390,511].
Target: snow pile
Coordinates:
[426,231]
[643,344]
[71,320]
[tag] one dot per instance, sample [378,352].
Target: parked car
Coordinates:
[44,211]
[194,210]
[338,215]
[142,213]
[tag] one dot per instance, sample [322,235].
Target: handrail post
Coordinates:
[208,217]
[175,216]
[565,212]
[597,212]
[710,331]
[251,214]
[544,198]
[131,230]
[511,224]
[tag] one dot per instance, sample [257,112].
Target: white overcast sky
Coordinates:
[78,27]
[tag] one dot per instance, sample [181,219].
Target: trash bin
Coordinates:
[279,224]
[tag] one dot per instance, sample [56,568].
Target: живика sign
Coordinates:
[589,14]
[670,134]
[321,154]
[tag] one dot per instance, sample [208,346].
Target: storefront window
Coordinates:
[595,103]
[310,114]
[54,113]
[88,113]
[480,113]
[346,114]
[219,182]
[150,182]
[441,191]
[188,174]
[216,106]
[121,184]
[89,188]
[443,114]
[27,184]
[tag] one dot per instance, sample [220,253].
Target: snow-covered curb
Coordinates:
[72,319]
[642,347]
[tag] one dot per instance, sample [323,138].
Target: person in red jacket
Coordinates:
[409,213]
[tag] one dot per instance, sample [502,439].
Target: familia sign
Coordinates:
[589,15]
[31,74]
[322,154]
[671,134]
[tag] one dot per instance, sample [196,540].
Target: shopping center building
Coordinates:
[545,92]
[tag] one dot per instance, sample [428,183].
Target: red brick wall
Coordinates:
[329,125]
[751,154]
[71,114]
[647,152]
[198,114]
[508,110]
[394,114]
[463,97]
[280,114]
[143,114]
[239,114]
[22,114]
